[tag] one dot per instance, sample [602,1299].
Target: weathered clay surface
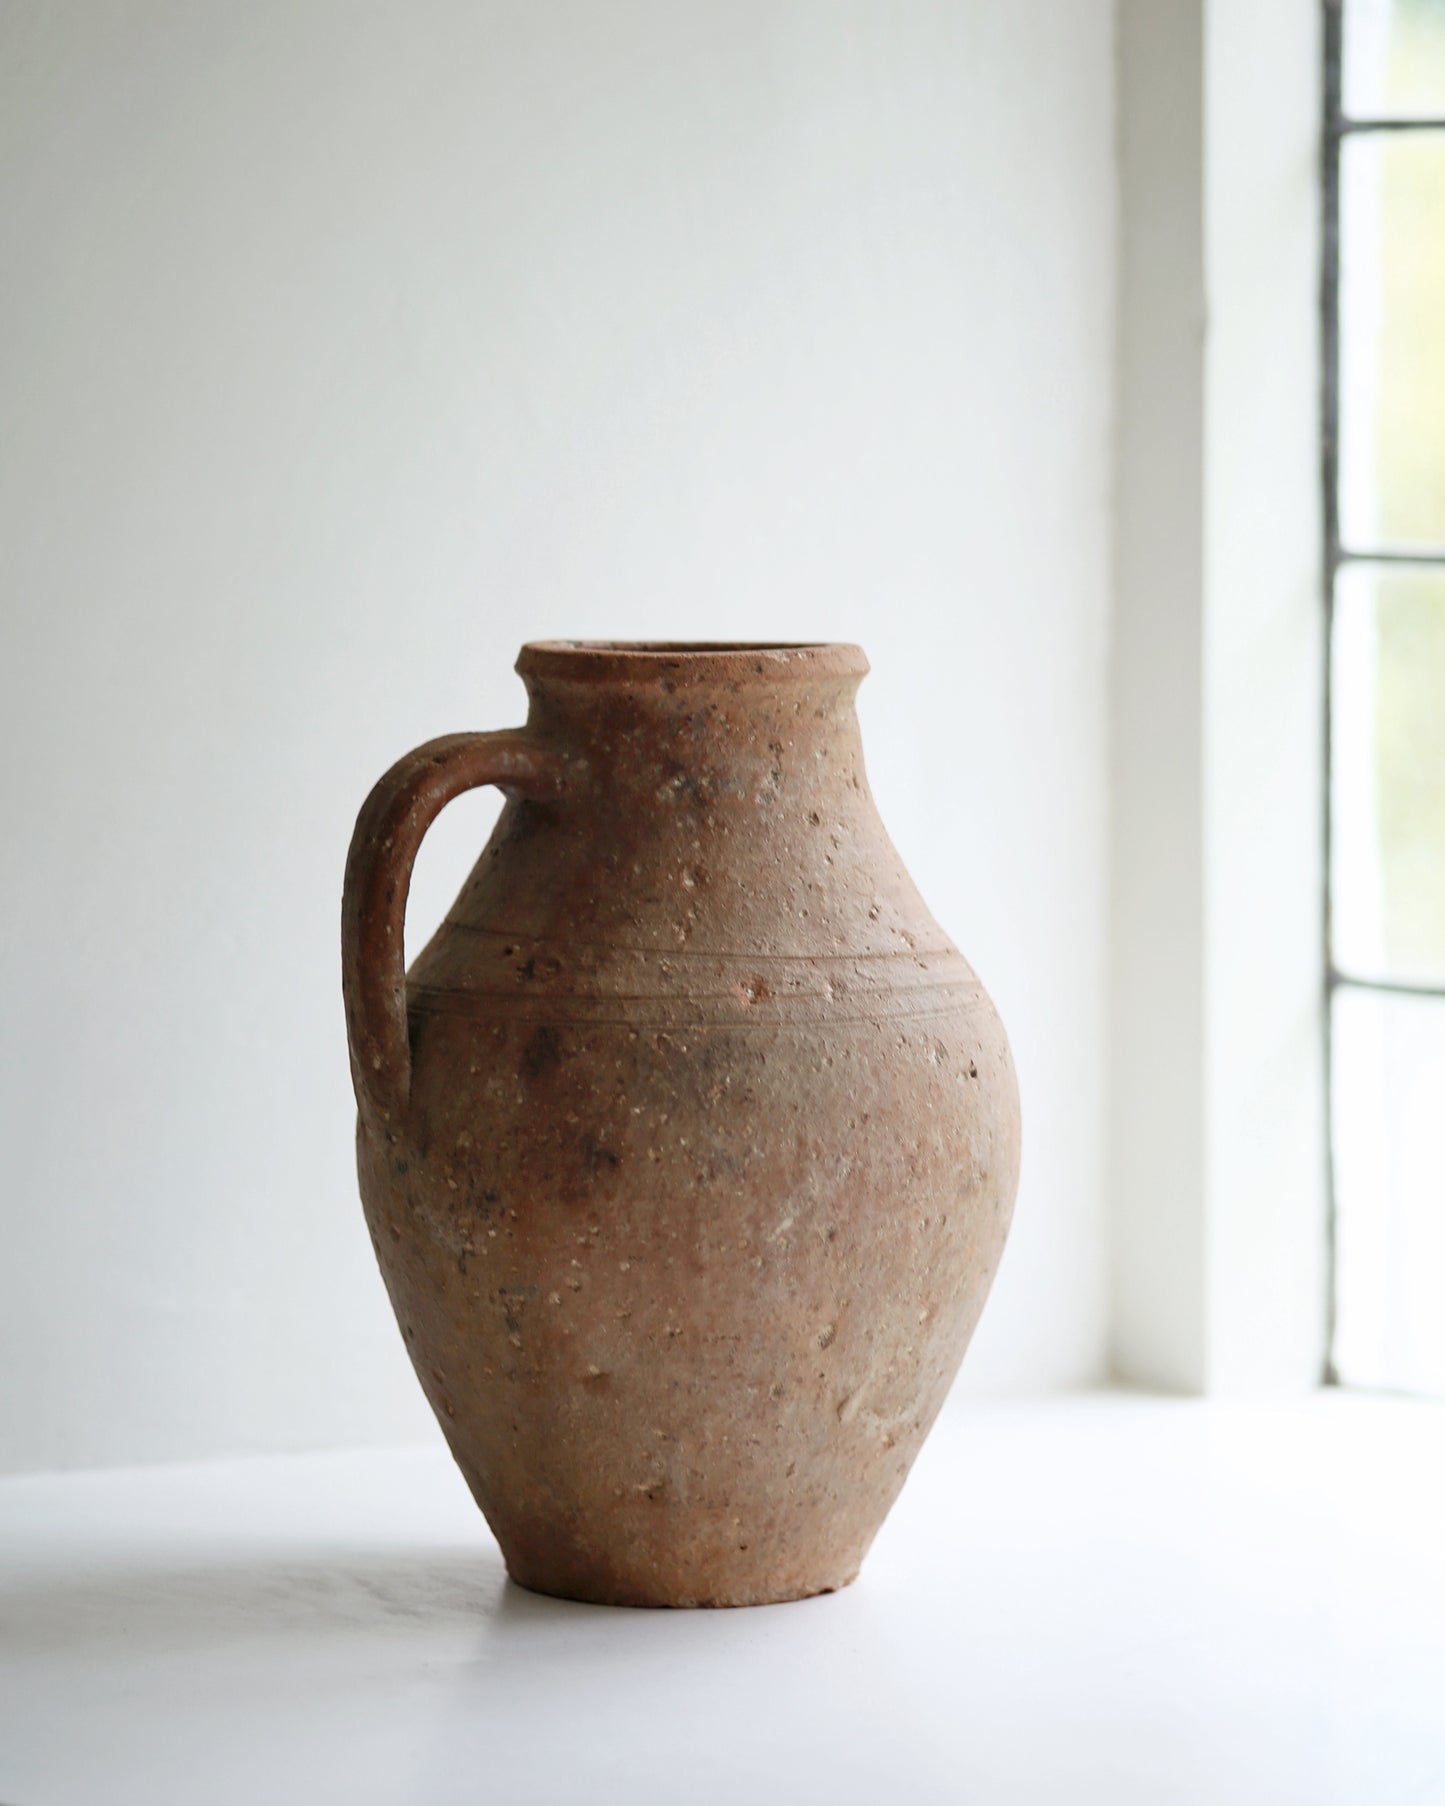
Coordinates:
[689,1146]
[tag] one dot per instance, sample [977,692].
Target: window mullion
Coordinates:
[1353,128]
[1431,557]
[1397,987]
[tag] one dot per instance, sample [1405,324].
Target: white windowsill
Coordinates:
[1108,1598]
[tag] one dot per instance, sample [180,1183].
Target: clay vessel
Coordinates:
[688,1145]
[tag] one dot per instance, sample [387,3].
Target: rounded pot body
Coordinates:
[689,1148]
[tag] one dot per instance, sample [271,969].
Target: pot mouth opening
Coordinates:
[697,660]
[682,645]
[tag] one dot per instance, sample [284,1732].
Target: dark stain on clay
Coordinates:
[543,1052]
[597,1157]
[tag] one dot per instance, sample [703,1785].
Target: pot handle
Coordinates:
[389,830]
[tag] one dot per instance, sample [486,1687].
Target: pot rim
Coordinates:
[640,661]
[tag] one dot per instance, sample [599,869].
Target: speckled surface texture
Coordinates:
[689,1144]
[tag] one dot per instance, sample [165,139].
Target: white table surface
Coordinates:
[1112,1598]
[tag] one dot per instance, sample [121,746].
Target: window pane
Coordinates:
[1389,1079]
[1394,58]
[1392,340]
[1388,778]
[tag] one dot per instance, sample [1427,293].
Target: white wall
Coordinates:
[1156,1090]
[1216,1094]
[1264,653]
[345,345]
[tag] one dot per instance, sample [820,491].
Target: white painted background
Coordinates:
[345,345]
[1216,1183]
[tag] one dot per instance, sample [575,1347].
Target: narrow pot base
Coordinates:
[581,1593]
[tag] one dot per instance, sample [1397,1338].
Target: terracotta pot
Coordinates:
[689,1144]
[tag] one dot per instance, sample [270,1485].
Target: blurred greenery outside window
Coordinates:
[1387,728]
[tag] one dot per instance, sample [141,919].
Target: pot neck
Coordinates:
[670,665]
[717,723]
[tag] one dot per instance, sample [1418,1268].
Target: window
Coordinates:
[1383,296]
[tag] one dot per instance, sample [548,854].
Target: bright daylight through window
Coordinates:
[1384,475]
